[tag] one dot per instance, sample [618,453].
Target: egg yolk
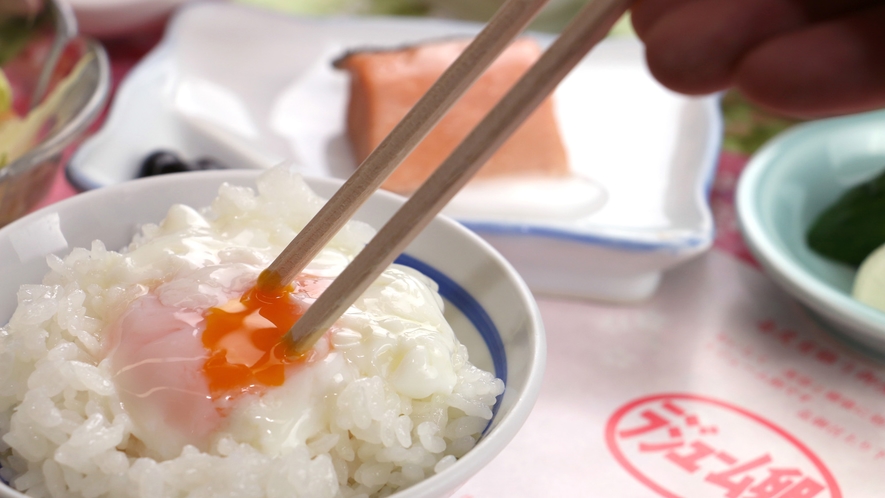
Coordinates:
[244,341]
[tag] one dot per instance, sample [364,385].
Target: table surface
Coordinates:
[720,385]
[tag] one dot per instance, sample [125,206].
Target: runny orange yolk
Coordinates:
[244,340]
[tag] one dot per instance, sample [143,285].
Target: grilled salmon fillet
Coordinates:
[385,84]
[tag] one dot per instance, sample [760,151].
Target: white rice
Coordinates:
[399,402]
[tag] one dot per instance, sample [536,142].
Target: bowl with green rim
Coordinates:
[782,191]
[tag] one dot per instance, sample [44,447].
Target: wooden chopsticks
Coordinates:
[586,29]
[505,25]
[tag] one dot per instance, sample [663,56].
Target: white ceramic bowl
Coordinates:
[489,306]
[783,189]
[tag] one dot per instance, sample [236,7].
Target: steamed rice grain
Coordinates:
[395,401]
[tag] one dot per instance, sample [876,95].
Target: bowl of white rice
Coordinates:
[105,381]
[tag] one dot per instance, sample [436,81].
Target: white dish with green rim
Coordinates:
[786,185]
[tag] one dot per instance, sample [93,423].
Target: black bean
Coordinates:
[161,163]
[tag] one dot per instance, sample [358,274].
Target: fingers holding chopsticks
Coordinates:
[798,57]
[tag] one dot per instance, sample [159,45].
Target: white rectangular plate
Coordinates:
[251,88]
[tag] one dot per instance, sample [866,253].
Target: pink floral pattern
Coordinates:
[722,201]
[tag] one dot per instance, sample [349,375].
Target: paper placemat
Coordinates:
[721,386]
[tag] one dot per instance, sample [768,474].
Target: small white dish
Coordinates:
[251,88]
[488,305]
[785,186]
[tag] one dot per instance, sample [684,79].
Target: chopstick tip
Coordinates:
[269,280]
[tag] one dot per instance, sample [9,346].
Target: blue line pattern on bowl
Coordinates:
[467,304]
[470,307]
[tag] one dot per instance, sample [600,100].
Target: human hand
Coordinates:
[20,7]
[804,58]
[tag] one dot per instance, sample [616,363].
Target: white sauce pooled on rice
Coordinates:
[101,393]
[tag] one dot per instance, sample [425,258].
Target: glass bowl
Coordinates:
[78,88]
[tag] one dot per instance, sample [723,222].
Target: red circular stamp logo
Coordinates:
[684,445]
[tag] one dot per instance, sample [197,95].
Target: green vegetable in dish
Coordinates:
[854,226]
